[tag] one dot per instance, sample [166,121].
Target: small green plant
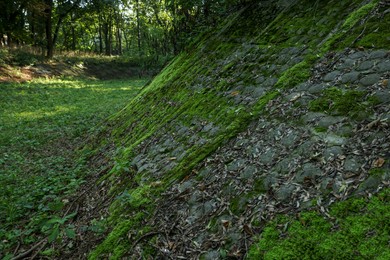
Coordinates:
[55,228]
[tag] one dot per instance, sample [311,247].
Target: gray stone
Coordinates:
[249,172]
[325,183]
[318,88]
[370,79]
[302,87]
[211,255]
[283,68]
[370,184]
[294,51]
[347,64]
[235,165]
[305,148]
[296,60]
[357,55]
[333,152]
[383,96]
[270,82]
[305,100]
[378,54]
[207,127]
[205,173]
[179,153]
[331,76]
[383,66]
[366,65]
[258,92]
[270,180]
[309,170]
[351,165]
[209,206]
[283,166]
[312,117]
[329,120]
[283,59]
[185,185]
[284,193]
[290,139]
[260,80]
[268,157]
[350,77]
[344,130]
[336,140]
[183,131]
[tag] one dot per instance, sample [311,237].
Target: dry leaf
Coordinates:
[225,223]
[378,162]
[385,82]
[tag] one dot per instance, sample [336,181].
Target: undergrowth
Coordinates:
[42,124]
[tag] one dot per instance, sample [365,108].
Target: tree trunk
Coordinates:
[49,28]
[100,36]
[138,29]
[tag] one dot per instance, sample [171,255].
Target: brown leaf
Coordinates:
[385,82]
[378,162]
[225,223]
[234,93]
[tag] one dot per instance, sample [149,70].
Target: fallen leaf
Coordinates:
[385,82]
[378,162]
[225,223]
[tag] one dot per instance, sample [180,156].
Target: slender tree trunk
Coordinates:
[138,29]
[119,40]
[73,39]
[49,28]
[100,36]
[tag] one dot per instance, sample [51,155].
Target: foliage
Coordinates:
[43,122]
[358,229]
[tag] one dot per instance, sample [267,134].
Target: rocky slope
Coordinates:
[282,109]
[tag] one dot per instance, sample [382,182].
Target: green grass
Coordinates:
[359,229]
[42,124]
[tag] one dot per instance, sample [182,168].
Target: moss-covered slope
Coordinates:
[266,108]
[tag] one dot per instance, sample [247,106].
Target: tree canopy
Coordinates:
[135,27]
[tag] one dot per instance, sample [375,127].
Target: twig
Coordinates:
[23,255]
[145,236]
[17,248]
[38,251]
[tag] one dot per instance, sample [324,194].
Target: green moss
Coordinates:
[359,14]
[359,230]
[375,32]
[294,75]
[335,101]
[320,129]
[116,243]
[377,172]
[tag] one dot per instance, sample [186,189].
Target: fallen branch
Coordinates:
[43,242]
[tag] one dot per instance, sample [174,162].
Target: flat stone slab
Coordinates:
[370,79]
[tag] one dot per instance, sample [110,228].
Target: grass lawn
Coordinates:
[42,125]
